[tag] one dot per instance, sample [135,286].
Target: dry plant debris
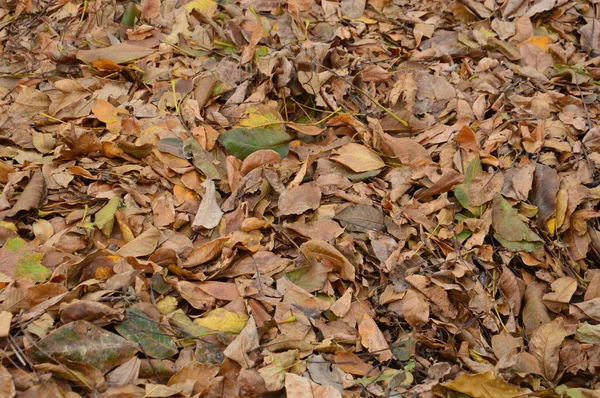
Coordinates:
[302,198]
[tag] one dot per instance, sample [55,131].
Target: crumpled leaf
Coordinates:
[318,251]
[209,213]
[246,341]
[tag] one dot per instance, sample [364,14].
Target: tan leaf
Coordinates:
[141,246]
[318,251]
[300,387]
[414,308]
[244,343]
[372,338]
[545,345]
[358,158]
[563,289]
[484,385]
[299,199]
[119,54]
[259,158]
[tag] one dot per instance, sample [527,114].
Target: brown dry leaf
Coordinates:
[358,158]
[563,289]
[321,252]
[259,158]
[535,312]
[32,195]
[372,338]
[591,308]
[351,363]
[484,385]
[414,308]
[7,384]
[445,183]
[299,387]
[300,199]
[544,345]
[246,342]
[141,246]
[342,305]
[434,293]
[120,54]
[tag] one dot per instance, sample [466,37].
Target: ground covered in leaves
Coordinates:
[299,198]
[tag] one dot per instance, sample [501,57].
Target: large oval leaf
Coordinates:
[242,142]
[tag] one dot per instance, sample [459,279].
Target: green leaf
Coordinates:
[146,333]
[242,142]
[511,231]
[202,158]
[81,341]
[130,15]
[105,217]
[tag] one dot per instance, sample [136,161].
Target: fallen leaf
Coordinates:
[300,199]
[358,158]
[484,385]
[372,338]
[223,320]
[32,195]
[545,344]
[242,142]
[147,334]
[141,246]
[510,230]
[209,213]
[83,342]
[121,53]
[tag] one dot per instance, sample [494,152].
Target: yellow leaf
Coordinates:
[223,320]
[262,116]
[205,7]
[485,385]
[167,305]
[551,225]
[541,42]
[358,158]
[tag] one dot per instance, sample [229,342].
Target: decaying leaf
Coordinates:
[299,198]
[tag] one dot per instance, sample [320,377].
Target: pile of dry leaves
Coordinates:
[299,197]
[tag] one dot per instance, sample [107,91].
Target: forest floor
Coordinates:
[299,198]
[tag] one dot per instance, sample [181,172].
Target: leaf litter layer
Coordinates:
[299,198]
